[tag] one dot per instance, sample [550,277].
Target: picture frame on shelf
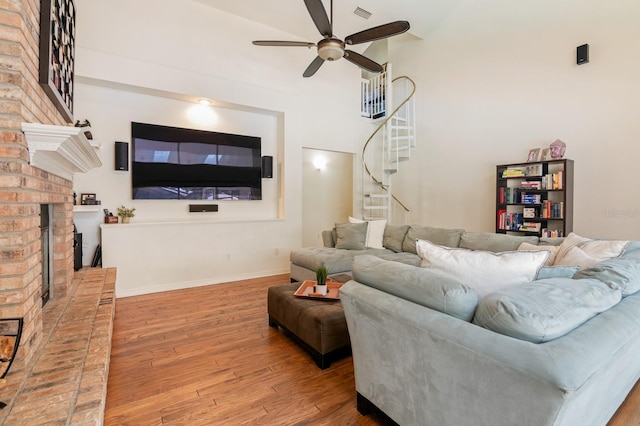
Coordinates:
[534,154]
[87,199]
[545,154]
[57,53]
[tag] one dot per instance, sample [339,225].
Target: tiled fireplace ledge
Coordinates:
[66,383]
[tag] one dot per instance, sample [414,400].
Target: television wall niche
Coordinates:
[172,163]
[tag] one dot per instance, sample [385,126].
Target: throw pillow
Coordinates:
[484,271]
[544,310]
[375,231]
[394,236]
[351,236]
[532,247]
[576,250]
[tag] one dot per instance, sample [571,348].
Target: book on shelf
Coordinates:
[531,184]
[512,172]
[528,212]
[530,226]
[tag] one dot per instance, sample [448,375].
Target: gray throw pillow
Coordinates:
[394,236]
[351,236]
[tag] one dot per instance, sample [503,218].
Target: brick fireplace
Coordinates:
[23,187]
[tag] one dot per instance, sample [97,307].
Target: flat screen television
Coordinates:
[185,164]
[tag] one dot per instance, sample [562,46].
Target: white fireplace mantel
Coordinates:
[61,150]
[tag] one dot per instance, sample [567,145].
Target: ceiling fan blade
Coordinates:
[313,67]
[362,61]
[319,16]
[377,33]
[283,43]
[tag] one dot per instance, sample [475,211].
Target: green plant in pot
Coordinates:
[321,280]
[126,214]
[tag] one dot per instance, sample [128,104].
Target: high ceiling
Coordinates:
[291,16]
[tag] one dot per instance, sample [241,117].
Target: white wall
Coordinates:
[141,66]
[500,77]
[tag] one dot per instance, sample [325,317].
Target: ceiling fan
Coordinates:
[331,48]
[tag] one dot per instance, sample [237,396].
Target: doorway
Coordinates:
[327,192]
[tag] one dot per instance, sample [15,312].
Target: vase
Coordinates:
[126,219]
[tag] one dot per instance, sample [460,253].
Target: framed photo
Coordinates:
[87,199]
[57,53]
[533,155]
[545,154]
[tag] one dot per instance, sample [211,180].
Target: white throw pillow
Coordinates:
[532,247]
[576,250]
[484,271]
[375,231]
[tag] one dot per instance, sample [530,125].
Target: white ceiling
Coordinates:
[291,16]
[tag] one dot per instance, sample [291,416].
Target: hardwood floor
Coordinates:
[206,356]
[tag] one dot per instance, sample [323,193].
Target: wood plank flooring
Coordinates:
[206,356]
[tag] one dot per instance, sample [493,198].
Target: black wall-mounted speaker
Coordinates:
[122,156]
[203,208]
[582,54]
[267,166]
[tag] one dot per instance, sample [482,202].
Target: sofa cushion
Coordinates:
[375,231]
[351,236]
[544,310]
[404,257]
[440,236]
[493,242]
[333,259]
[394,236]
[532,247]
[432,289]
[559,271]
[617,273]
[576,250]
[484,271]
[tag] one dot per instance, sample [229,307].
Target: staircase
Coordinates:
[390,104]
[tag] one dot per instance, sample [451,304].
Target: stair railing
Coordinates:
[373,178]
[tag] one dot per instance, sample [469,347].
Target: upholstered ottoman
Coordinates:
[319,326]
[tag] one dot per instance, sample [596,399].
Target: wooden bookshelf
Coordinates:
[535,198]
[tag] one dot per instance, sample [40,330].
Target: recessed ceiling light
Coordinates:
[205,102]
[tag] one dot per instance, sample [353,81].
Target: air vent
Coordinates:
[362,13]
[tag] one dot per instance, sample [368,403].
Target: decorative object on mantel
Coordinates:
[109,217]
[57,53]
[126,214]
[86,128]
[557,149]
[10,332]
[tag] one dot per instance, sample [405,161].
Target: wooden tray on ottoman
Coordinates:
[306,290]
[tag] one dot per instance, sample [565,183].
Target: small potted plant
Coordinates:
[125,213]
[321,280]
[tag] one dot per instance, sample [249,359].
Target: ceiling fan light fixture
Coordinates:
[331,49]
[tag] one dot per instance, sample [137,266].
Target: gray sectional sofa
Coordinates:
[429,349]
[398,245]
